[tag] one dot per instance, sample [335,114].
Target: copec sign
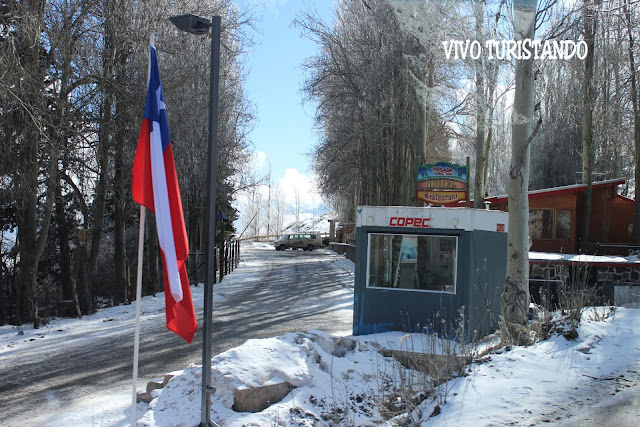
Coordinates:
[401,221]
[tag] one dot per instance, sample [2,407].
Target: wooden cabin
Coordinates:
[555,215]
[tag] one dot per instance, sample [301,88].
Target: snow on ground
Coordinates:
[550,381]
[554,381]
[112,410]
[113,320]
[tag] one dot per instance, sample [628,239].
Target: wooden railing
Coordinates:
[261,238]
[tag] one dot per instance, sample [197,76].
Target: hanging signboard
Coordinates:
[442,183]
[442,170]
[441,197]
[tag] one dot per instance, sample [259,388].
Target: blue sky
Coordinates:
[284,127]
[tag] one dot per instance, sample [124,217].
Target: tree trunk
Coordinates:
[27,229]
[491,90]
[589,13]
[122,285]
[481,112]
[487,144]
[422,113]
[400,170]
[515,298]
[32,243]
[32,106]
[63,244]
[153,277]
[105,136]
[193,228]
[81,274]
[492,82]
[123,290]
[636,124]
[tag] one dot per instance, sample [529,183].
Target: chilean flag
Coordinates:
[155,186]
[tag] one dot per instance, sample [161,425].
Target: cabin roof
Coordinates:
[561,190]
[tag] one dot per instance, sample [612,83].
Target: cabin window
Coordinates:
[563,224]
[546,223]
[410,262]
[550,224]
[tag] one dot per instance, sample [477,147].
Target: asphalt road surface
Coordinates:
[281,292]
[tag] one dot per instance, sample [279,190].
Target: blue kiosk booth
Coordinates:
[419,267]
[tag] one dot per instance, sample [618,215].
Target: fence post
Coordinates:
[221,254]
[226,258]
[235,255]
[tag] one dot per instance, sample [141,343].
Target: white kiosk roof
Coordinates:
[467,219]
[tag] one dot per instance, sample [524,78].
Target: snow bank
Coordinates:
[547,382]
[324,370]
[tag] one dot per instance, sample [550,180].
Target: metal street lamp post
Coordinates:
[197,25]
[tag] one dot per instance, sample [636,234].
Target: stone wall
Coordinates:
[608,280]
[622,274]
[548,271]
[619,274]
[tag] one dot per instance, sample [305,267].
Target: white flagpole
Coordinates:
[136,342]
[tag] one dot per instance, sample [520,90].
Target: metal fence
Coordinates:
[226,259]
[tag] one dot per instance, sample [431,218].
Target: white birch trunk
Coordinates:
[515,298]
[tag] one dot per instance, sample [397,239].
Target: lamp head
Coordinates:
[191,23]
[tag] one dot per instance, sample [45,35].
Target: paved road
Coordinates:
[280,292]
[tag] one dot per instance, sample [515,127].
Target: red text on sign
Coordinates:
[399,221]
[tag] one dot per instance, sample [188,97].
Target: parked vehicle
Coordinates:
[307,242]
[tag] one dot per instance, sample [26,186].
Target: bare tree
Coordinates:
[373,79]
[31,150]
[72,84]
[296,205]
[280,209]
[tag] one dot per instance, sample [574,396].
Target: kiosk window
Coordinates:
[405,261]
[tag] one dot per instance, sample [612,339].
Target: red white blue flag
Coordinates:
[155,186]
